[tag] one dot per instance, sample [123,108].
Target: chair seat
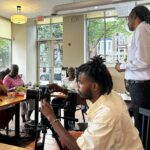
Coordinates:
[145,133]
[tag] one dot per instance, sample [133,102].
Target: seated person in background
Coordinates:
[5,114]
[70,84]
[4,73]
[109,123]
[13,80]
[70,81]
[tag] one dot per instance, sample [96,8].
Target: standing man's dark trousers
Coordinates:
[140,97]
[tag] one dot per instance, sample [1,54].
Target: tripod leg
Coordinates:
[56,137]
[36,139]
[40,146]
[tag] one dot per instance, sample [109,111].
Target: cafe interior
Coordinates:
[45,38]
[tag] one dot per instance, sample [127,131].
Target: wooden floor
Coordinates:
[10,147]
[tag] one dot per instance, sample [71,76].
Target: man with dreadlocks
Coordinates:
[137,68]
[109,124]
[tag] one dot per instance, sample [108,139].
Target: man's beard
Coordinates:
[130,28]
[87,95]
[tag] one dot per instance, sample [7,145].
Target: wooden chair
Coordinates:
[145,133]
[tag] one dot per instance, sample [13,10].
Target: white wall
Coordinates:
[31,52]
[19,54]
[73,48]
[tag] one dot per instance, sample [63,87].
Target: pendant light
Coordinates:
[18,18]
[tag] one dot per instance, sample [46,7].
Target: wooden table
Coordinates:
[6,102]
[10,147]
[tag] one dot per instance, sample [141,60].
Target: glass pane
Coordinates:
[58,54]
[95,34]
[58,60]
[57,30]
[43,32]
[44,63]
[117,39]
[44,55]
[5,53]
[57,75]
[109,37]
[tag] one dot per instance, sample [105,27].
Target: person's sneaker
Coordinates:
[30,122]
[24,128]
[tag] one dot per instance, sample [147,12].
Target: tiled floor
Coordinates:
[50,142]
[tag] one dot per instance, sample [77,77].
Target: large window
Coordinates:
[108,36]
[50,49]
[5,53]
[50,31]
[5,43]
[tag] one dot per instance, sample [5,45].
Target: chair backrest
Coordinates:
[145,133]
[5,116]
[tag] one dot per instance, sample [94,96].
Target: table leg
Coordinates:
[36,111]
[17,121]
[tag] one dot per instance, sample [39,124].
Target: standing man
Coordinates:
[137,68]
[109,123]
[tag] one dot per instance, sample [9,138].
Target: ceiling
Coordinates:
[31,8]
[35,8]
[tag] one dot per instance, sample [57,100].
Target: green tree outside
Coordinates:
[4,53]
[97,29]
[48,31]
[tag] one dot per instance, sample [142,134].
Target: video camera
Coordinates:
[42,92]
[38,94]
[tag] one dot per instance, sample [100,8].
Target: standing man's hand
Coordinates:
[117,67]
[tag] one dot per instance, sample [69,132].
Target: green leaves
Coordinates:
[100,28]
[48,31]
[5,46]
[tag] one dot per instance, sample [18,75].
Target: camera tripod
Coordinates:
[44,125]
[43,128]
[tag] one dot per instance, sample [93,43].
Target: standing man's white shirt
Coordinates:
[109,126]
[138,65]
